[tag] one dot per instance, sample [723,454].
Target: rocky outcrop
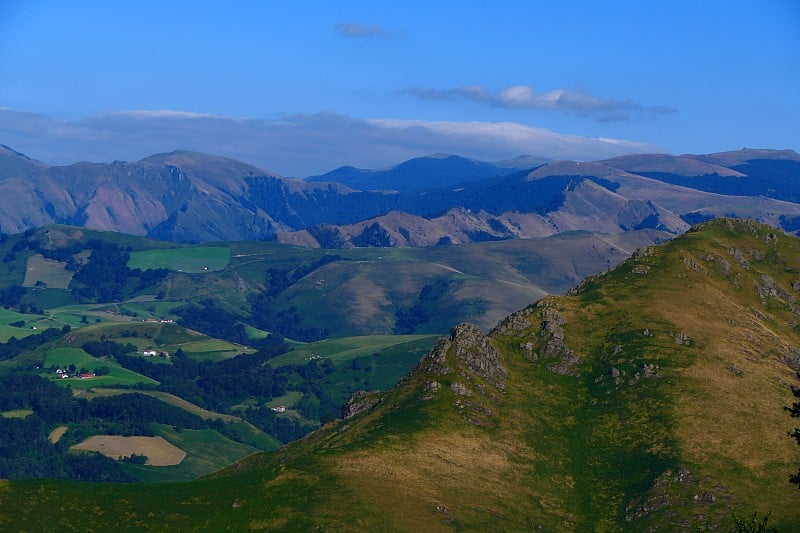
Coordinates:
[361,402]
[553,345]
[478,354]
[475,355]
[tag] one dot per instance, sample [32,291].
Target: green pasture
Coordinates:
[206,452]
[151,308]
[210,349]
[7,330]
[47,298]
[289,399]
[63,357]
[248,433]
[192,260]
[167,337]
[344,349]
[380,370]
[255,333]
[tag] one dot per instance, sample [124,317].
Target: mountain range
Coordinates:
[437,200]
[649,398]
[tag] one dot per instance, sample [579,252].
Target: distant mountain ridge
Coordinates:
[426,173]
[190,197]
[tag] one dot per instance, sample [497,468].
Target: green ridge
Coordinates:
[650,397]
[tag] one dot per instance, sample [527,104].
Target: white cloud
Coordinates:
[162,113]
[292,145]
[576,101]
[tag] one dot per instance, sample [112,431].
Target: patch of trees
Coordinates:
[266,315]
[108,348]
[20,391]
[408,319]
[222,385]
[105,277]
[26,452]
[282,428]
[11,296]
[134,412]
[286,322]
[215,386]
[209,318]
[278,280]
[230,382]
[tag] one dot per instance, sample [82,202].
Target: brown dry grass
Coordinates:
[462,473]
[48,271]
[56,434]
[159,452]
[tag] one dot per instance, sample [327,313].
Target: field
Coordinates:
[159,452]
[191,260]
[16,413]
[56,434]
[7,331]
[63,357]
[206,451]
[47,273]
[289,399]
[167,337]
[212,350]
[343,350]
[147,307]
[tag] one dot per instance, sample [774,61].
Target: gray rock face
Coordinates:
[682,339]
[435,362]
[479,355]
[475,355]
[552,337]
[460,389]
[517,322]
[361,402]
[770,289]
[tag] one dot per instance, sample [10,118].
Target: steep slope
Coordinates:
[14,164]
[651,397]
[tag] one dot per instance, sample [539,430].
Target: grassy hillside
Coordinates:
[651,397]
[337,292]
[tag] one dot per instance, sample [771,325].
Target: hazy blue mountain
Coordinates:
[423,173]
[189,196]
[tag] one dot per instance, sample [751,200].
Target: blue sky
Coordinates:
[303,87]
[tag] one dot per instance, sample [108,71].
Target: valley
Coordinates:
[625,404]
[321,358]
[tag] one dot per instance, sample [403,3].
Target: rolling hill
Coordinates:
[191,197]
[347,292]
[650,397]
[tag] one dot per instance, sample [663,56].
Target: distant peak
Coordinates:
[9,149]
[10,152]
